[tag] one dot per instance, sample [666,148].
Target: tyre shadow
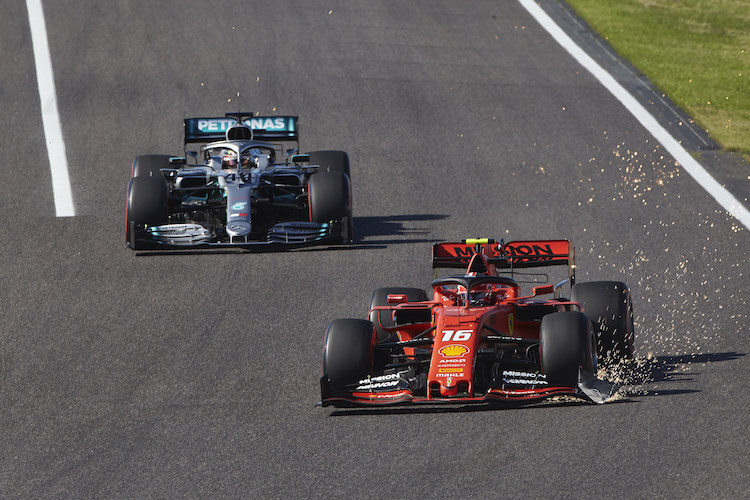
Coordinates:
[641,372]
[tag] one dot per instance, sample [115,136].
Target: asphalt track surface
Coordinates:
[196,375]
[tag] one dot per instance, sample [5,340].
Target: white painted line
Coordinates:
[695,169]
[58,161]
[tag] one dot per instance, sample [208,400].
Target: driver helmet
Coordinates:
[481,295]
[229,159]
[245,160]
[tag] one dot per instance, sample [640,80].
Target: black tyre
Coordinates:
[150,165]
[146,203]
[347,355]
[330,200]
[566,346]
[608,306]
[331,161]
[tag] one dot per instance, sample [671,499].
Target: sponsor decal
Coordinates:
[216,125]
[531,250]
[240,205]
[524,381]
[511,373]
[525,378]
[381,378]
[453,350]
[260,123]
[451,370]
[237,214]
[378,385]
[379,382]
[464,252]
[519,392]
[382,395]
[511,324]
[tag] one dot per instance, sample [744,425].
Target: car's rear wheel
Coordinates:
[330,200]
[150,165]
[565,347]
[146,204]
[608,306]
[347,355]
[331,161]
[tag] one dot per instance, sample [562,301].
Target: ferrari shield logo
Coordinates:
[511,322]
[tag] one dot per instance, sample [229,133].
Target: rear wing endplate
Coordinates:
[270,128]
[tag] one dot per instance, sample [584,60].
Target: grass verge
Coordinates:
[695,51]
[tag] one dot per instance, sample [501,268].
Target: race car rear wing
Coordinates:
[511,255]
[265,128]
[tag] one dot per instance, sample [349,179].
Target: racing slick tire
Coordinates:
[331,161]
[566,346]
[150,165]
[608,306]
[330,200]
[146,204]
[347,355]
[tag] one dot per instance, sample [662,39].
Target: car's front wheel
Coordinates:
[347,355]
[329,198]
[146,204]
[565,347]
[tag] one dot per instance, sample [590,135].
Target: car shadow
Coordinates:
[406,408]
[676,368]
[397,227]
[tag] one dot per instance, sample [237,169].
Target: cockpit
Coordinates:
[474,291]
[232,157]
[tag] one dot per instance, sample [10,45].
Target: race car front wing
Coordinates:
[180,236]
[589,388]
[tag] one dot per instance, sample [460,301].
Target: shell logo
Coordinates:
[453,350]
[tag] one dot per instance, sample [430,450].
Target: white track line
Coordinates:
[721,195]
[58,161]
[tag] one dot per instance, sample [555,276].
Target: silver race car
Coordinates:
[246,185]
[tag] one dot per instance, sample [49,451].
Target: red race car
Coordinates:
[479,340]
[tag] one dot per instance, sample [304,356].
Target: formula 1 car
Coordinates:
[246,190]
[478,340]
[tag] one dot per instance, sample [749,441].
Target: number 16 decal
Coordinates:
[456,335]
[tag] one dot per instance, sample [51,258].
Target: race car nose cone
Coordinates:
[450,388]
[238,228]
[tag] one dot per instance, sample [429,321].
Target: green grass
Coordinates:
[695,51]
